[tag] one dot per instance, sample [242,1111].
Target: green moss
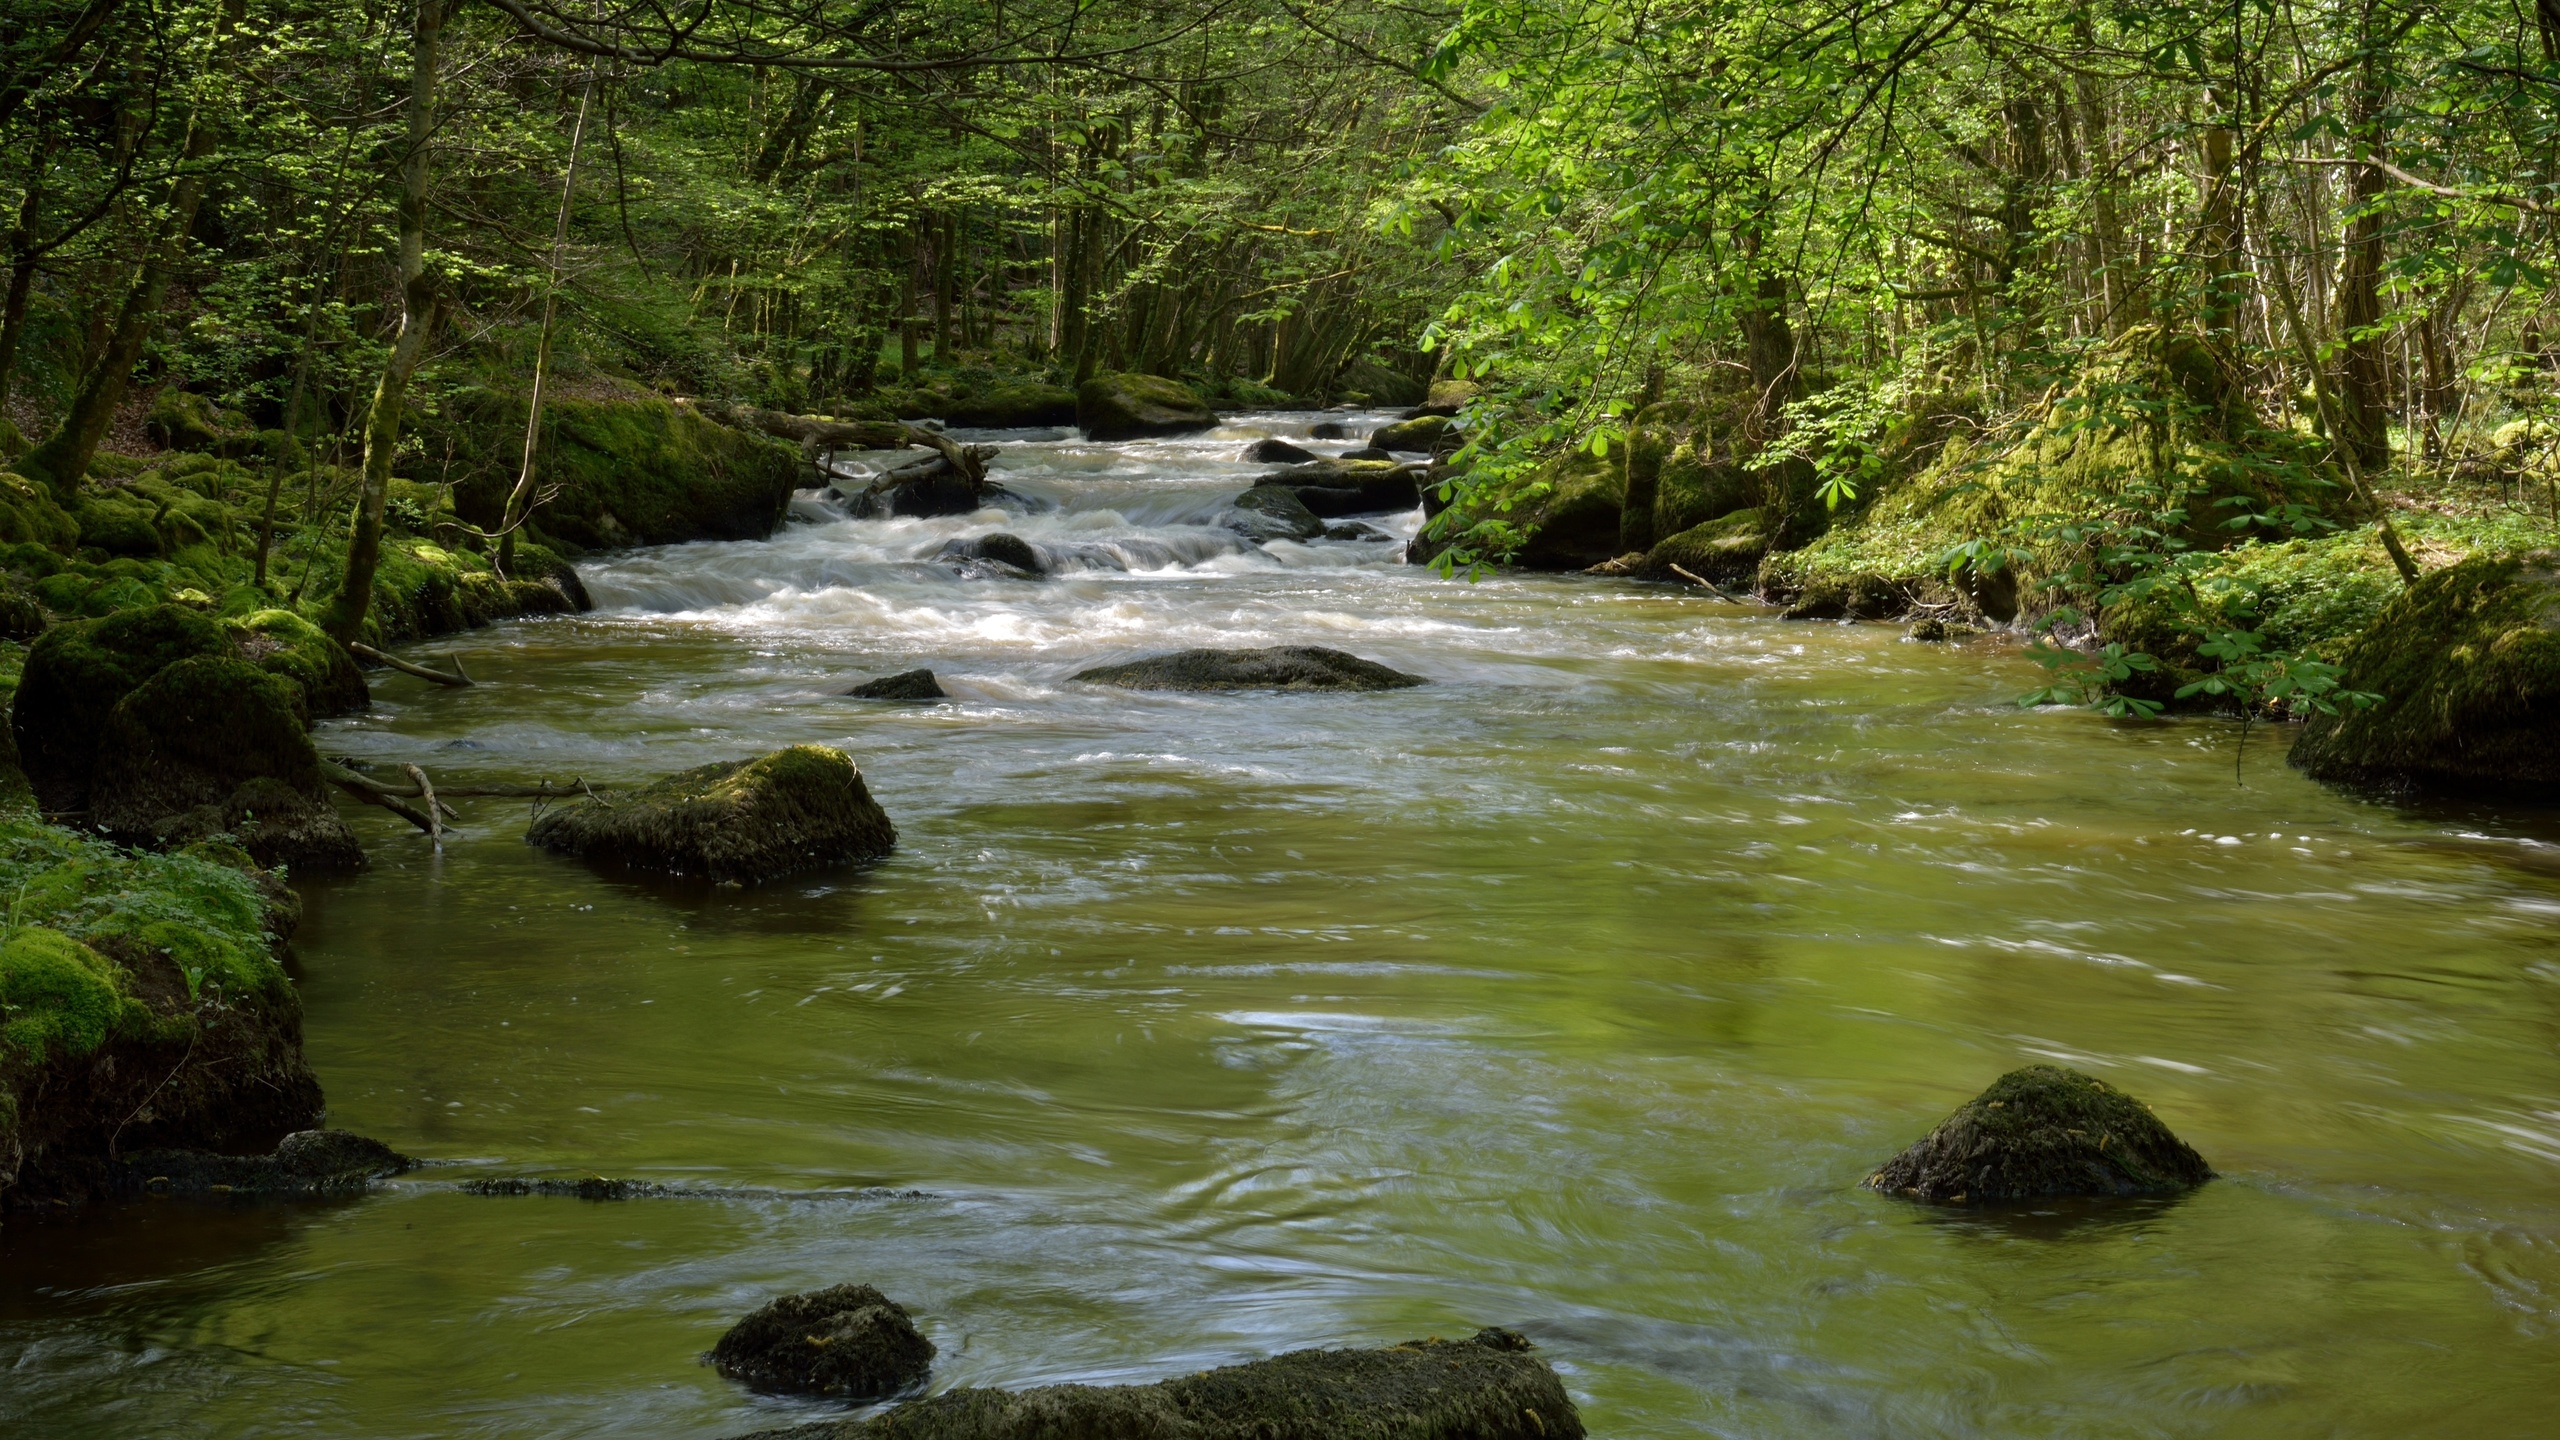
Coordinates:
[1561,515]
[182,420]
[75,675]
[637,471]
[29,515]
[2044,1131]
[1720,551]
[283,643]
[739,821]
[2467,662]
[60,996]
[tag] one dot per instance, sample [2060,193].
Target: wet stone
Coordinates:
[2044,1132]
[1282,667]
[847,1341]
[910,685]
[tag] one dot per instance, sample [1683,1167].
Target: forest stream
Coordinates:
[1575,992]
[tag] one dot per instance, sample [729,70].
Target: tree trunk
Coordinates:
[520,498]
[63,459]
[2364,373]
[22,274]
[907,304]
[945,271]
[421,306]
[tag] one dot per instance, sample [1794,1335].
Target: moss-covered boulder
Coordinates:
[283,643]
[1132,407]
[1367,382]
[1007,405]
[623,471]
[1563,515]
[183,420]
[141,1007]
[213,745]
[1422,435]
[2044,1132]
[29,515]
[846,1341]
[1493,1387]
[737,822]
[1272,450]
[1726,551]
[1446,397]
[76,674]
[2467,662]
[1281,667]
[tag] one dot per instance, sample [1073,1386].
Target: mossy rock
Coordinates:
[1446,397]
[910,686]
[1281,667]
[283,643]
[1493,1387]
[2467,663]
[118,522]
[1563,515]
[183,420]
[214,745]
[1422,435]
[2044,1132]
[737,822]
[141,1005]
[78,672]
[1335,488]
[1133,407]
[1366,381]
[637,471]
[847,1341]
[1011,405]
[29,515]
[1721,552]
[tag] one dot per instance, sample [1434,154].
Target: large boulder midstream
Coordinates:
[735,822]
[1281,667]
[1334,488]
[846,1341]
[1273,512]
[2044,1132]
[1492,1387]
[1133,407]
[2467,662]
[213,745]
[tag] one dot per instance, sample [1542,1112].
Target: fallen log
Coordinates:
[457,679]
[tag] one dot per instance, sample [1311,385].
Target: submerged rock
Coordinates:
[905,685]
[2467,662]
[1272,450]
[1282,667]
[2044,1132]
[848,1341]
[1273,512]
[998,548]
[214,745]
[1328,430]
[1493,1387]
[1355,530]
[1131,407]
[305,1163]
[740,821]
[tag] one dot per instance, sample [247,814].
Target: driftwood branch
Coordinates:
[457,679]
[374,794]
[1709,586]
[435,815]
[964,460]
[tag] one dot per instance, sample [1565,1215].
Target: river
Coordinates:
[1574,991]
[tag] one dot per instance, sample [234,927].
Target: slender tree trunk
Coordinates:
[907,303]
[421,307]
[519,498]
[63,459]
[945,270]
[2364,373]
[2220,231]
[22,268]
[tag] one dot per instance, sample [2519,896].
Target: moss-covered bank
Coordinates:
[142,1005]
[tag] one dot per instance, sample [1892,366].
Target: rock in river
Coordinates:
[2467,662]
[1282,667]
[306,1163]
[905,685]
[1493,1387]
[740,821]
[2044,1132]
[1130,407]
[1272,450]
[1000,552]
[848,1341]
[1273,512]
[1424,434]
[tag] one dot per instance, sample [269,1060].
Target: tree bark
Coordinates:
[421,307]
[521,496]
[2364,371]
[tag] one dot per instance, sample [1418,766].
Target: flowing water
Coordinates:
[1574,991]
